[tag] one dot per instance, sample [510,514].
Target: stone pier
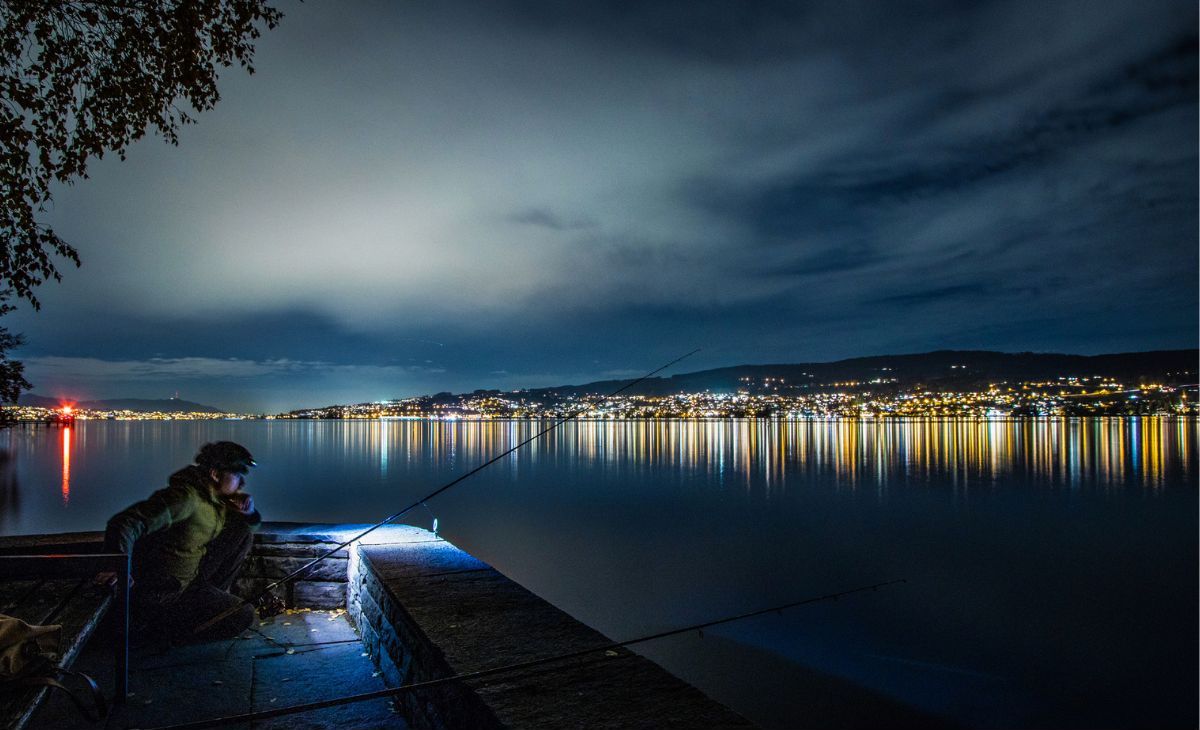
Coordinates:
[426,610]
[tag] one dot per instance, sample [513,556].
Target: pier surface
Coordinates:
[419,609]
[251,673]
[442,612]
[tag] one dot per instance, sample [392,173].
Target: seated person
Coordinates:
[189,542]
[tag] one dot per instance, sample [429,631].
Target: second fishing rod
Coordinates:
[268,591]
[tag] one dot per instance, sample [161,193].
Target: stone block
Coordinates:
[312,532]
[419,559]
[330,569]
[320,594]
[299,550]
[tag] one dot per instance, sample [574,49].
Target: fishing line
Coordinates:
[304,568]
[609,650]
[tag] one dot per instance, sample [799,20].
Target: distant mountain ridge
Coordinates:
[942,369]
[144,405]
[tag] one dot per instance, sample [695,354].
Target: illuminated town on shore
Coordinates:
[769,398]
[848,401]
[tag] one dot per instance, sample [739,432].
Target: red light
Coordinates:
[66,410]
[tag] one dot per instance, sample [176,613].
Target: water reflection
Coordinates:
[383,449]
[66,465]
[769,455]
[10,489]
[764,460]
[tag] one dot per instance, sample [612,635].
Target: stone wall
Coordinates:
[427,610]
[405,655]
[279,553]
[279,548]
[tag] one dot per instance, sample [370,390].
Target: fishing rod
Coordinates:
[609,649]
[304,568]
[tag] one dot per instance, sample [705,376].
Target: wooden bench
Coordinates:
[58,589]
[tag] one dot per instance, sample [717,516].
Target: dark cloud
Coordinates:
[868,179]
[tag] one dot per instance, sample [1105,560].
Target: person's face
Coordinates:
[228,482]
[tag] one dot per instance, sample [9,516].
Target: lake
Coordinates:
[1051,563]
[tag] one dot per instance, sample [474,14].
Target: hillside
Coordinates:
[162,405]
[941,370]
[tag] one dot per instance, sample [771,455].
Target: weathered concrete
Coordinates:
[435,611]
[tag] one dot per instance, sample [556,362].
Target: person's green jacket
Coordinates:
[172,529]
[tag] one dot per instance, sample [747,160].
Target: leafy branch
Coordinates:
[83,78]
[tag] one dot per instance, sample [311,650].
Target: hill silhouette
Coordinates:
[162,405]
[940,370]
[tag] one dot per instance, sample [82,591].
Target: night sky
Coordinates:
[415,197]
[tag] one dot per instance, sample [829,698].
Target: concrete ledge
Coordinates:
[434,611]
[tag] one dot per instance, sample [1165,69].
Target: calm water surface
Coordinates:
[1052,564]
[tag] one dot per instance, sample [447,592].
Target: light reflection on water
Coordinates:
[66,465]
[1049,560]
[1102,453]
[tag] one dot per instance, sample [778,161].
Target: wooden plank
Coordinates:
[34,608]
[64,542]
[77,606]
[79,618]
[13,592]
[18,707]
[41,604]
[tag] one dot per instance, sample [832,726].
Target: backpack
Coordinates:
[29,659]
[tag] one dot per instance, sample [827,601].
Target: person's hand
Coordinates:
[108,578]
[242,502]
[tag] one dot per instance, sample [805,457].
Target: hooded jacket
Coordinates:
[172,529]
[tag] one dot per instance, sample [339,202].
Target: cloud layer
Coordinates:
[563,191]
